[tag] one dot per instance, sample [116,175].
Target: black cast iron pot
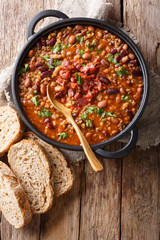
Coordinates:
[64,21]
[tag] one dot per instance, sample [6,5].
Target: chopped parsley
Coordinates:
[89,123]
[35,101]
[126,98]
[57,48]
[112,59]
[67,45]
[99,111]
[47,58]
[99,50]
[79,79]
[90,31]
[81,52]
[23,70]
[121,71]
[35,92]
[55,63]
[44,113]
[83,64]
[91,46]
[62,135]
[104,120]
[80,39]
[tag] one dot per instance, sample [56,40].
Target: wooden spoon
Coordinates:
[96,165]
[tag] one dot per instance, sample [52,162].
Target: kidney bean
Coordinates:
[129,113]
[50,125]
[58,94]
[106,134]
[51,61]
[133,62]
[122,90]
[125,59]
[78,27]
[131,56]
[113,50]
[105,63]
[104,80]
[43,69]
[46,74]
[112,91]
[36,87]
[117,58]
[87,56]
[43,41]
[125,46]
[65,35]
[51,42]
[128,82]
[72,39]
[43,89]
[27,82]
[74,115]
[102,104]
[46,120]
[136,72]
[39,64]
[77,31]
[122,53]
[39,45]
[115,121]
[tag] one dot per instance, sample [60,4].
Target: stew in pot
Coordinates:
[92,72]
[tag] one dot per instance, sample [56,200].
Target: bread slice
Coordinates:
[61,175]
[13,202]
[31,167]
[11,128]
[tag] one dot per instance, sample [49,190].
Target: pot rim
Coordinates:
[71,22]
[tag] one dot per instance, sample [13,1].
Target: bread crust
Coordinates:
[20,130]
[47,168]
[19,194]
[44,145]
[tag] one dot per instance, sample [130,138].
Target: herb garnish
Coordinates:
[80,39]
[57,48]
[67,45]
[99,50]
[79,79]
[126,98]
[35,101]
[121,71]
[81,52]
[35,92]
[44,113]
[23,70]
[62,135]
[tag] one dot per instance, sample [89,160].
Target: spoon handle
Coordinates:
[95,163]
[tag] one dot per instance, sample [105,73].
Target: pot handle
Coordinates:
[121,152]
[41,15]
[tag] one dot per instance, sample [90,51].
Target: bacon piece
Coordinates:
[70,92]
[77,95]
[82,102]
[65,74]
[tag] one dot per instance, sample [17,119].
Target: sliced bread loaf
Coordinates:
[31,167]
[61,175]
[11,128]
[13,202]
